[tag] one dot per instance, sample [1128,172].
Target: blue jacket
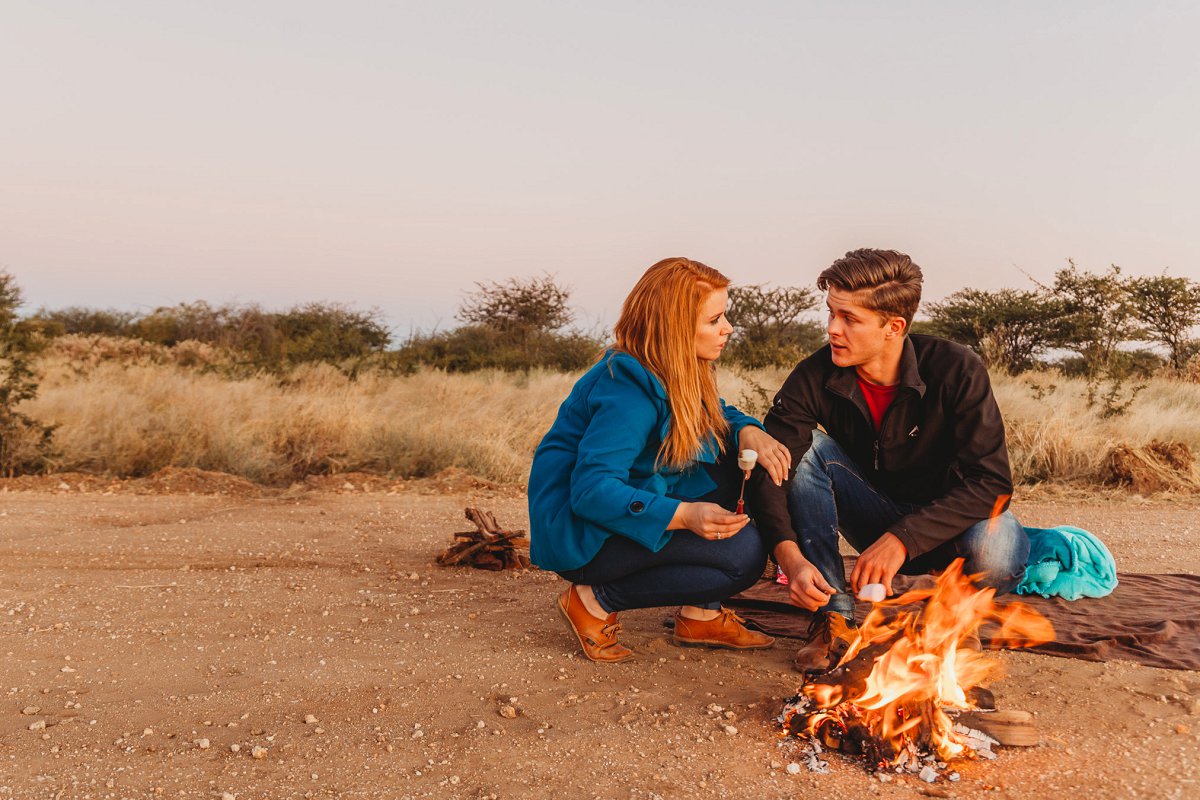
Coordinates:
[594,476]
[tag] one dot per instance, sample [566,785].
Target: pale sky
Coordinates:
[391,154]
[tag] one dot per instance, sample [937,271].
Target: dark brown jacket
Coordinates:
[941,443]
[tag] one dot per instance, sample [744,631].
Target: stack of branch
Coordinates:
[488,546]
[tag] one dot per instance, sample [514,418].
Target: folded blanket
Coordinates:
[1069,563]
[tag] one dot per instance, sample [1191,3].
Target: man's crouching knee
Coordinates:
[996,551]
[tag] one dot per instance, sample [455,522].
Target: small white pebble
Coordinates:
[793,768]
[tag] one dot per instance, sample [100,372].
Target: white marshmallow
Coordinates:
[747,459]
[872,593]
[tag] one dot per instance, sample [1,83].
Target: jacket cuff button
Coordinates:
[637,506]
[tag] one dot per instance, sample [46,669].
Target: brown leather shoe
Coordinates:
[724,630]
[597,637]
[829,637]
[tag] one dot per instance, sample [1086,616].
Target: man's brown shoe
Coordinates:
[597,637]
[724,630]
[829,637]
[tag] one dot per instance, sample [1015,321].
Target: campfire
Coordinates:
[907,692]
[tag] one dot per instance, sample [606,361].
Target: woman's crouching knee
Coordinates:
[747,557]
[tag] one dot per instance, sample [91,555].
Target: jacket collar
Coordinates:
[844,380]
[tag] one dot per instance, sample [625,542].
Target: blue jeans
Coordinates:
[689,570]
[829,495]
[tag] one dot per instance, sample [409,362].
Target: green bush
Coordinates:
[25,443]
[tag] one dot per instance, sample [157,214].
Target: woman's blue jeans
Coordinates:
[829,496]
[689,570]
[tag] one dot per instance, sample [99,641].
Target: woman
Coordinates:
[622,487]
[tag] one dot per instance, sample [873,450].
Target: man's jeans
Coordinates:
[829,495]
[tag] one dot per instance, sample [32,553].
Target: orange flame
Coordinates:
[926,663]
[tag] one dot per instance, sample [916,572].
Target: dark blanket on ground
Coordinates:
[1151,619]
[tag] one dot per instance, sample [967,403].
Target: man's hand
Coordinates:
[879,563]
[807,587]
[708,520]
[772,456]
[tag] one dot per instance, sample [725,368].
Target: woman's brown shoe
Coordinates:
[724,630]
[597,637]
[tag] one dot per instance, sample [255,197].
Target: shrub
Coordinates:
[24,442]
[476,347]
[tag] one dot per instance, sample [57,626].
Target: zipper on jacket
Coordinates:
[877,454]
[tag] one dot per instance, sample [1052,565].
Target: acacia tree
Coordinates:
[529,310]
[1098,315]
[1009,328]
[769,325]
[518,304]
[1168,308]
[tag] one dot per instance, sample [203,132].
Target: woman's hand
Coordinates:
[708,520]
[772,456]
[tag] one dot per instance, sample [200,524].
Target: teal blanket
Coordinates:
[1069,563]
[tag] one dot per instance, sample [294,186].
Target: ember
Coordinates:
[888,698]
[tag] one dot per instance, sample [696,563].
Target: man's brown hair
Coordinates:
[893,279]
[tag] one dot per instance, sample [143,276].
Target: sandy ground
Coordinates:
[174,645]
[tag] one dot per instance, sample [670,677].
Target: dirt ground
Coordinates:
[174,645]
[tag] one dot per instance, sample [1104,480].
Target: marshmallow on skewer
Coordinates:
[747,459]
[872,593]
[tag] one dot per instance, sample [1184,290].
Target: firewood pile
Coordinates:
[489,546]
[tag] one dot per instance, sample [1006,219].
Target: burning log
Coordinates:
[914,659]
[488,546]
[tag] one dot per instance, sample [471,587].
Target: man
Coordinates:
[911,468]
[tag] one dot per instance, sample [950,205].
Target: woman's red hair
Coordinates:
[658,327]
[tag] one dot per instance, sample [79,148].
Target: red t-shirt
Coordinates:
[878,399]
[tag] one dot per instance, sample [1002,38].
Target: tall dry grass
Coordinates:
[126,416]
[130,420]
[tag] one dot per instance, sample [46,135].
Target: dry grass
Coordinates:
[131,420]
[128,414]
